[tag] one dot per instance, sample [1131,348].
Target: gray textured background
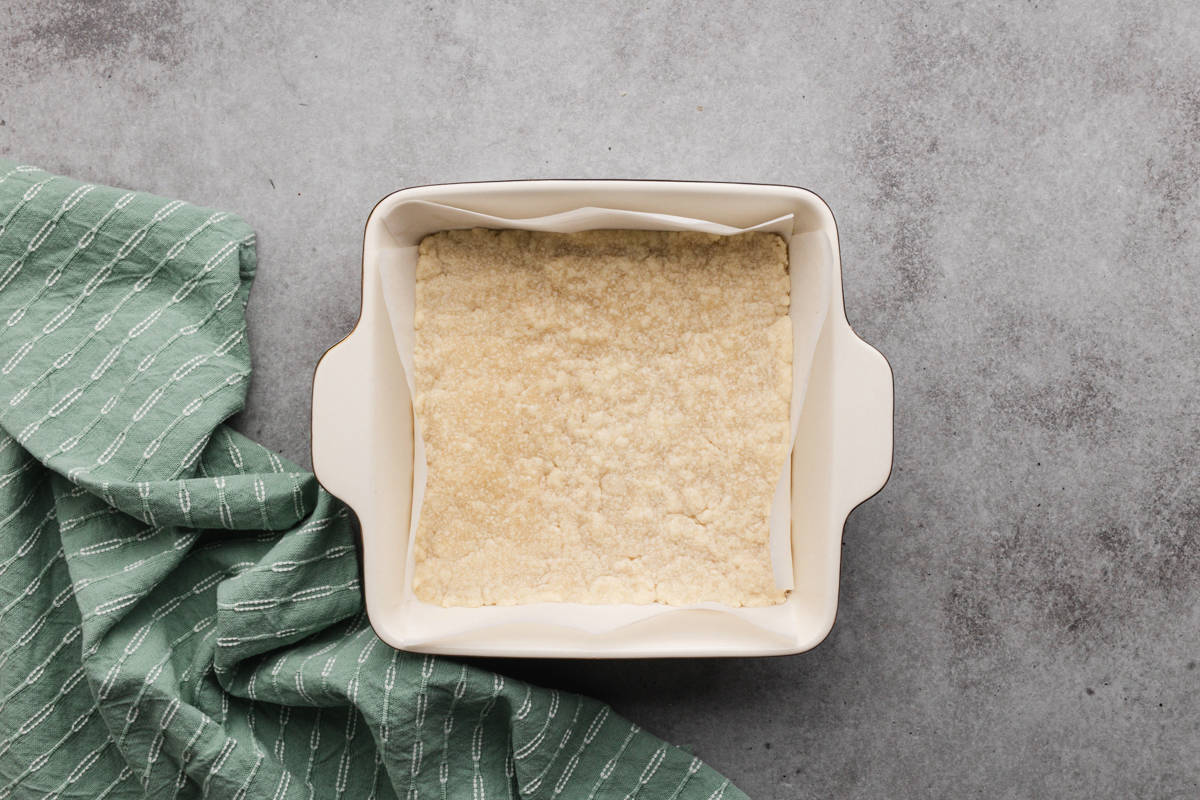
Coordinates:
[1017,187]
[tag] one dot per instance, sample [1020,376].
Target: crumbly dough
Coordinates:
[605,416]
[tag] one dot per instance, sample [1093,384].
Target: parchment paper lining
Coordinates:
[810,282]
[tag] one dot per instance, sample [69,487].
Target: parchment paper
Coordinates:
[810,283]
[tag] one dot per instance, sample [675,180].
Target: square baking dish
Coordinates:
[362,429]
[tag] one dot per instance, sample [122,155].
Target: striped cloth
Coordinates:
[180,609]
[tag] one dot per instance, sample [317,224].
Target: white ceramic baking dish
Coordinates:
[362,445]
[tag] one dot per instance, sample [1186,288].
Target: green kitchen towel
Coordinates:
[180,609]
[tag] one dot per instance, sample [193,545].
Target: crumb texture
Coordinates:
[605,416]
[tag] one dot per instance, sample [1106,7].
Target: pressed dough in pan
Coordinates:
[605,416]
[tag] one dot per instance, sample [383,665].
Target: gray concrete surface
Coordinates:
[1017,186]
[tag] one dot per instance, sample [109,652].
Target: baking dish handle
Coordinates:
[864,423]
[340,408]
